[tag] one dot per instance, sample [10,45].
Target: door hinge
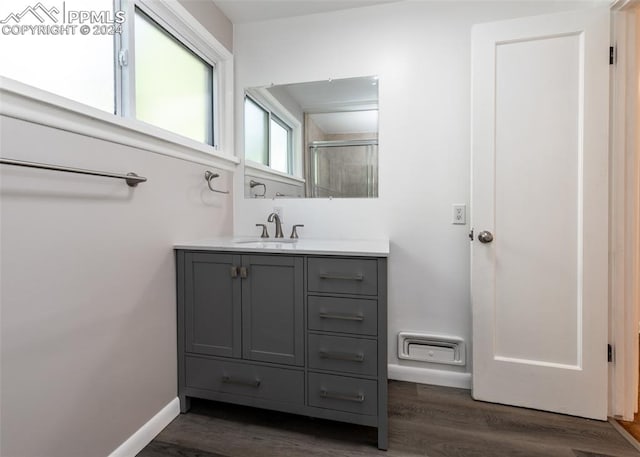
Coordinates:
[471,235]
[609,353]
[123,57]
[612,55]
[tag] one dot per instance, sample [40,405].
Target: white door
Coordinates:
[540,188]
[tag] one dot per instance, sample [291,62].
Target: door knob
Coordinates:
[485,237]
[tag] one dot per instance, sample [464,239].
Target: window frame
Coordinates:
[125,48]
[282,117]
[29,103]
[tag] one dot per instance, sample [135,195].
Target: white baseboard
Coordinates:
[148,431]
[430,376]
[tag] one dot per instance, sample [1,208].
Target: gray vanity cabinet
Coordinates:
[212,304]
[244,306]
[347,340]
[272,309]
[298,333]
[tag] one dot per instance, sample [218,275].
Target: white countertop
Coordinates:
[375,248]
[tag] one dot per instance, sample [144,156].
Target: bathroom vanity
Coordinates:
[299,327]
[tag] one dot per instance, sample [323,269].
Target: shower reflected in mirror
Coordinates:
[316,139]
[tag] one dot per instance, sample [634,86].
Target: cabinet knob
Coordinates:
[234,271]
[244,272]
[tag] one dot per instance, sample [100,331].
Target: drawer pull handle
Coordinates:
[242,382]
[358,398]
[356,277]
[336,355]
[344,317]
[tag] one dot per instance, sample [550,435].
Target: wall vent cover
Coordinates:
[449,350]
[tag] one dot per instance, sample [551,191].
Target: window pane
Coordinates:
[256,133]
[173,85]
[279,142]
[54,54]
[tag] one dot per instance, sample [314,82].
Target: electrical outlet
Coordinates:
[280,212]
[459,214]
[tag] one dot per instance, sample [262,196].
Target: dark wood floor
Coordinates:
[424,421]
[633,427]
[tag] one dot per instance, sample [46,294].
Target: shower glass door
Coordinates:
[344,169]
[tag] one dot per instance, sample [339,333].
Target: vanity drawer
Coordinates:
[341,353]
[345,315]
[270,383]
[343,276]
[342,393]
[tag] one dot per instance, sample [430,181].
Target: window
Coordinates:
[268,139]
[139,59]
[37,49]
[173,86]
[256,132]
[279,138]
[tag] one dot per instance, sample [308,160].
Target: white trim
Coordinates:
[430,376]
[176,21]
[258,170]
[143,436]
[264,97]
[624,296]
[538,363]
[24,102]
[625,434]
[196,32]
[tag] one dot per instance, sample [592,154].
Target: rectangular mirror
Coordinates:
[315,139]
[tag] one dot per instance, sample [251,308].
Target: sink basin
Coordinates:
[265,241]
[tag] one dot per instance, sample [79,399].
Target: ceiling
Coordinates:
[350,94]
[336,106]
[243,11]
[348,122]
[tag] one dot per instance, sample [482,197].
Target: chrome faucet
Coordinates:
[273,217]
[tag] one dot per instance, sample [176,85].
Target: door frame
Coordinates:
[624,243]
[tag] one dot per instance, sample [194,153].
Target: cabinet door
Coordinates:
[272,307]
[212,304]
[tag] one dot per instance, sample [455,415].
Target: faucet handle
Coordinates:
[265,234]
[294,230]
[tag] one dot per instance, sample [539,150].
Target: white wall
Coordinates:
[214,20]
[88,299]
[87,286]
[421,52]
